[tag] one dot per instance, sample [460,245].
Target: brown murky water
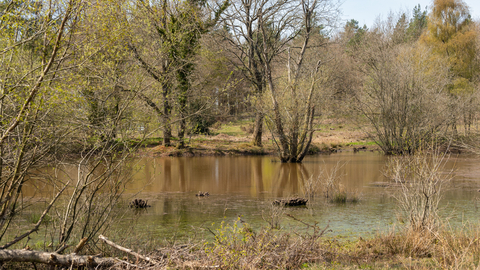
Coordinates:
[246,186]
[255,177]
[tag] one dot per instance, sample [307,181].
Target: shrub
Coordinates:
[420,178]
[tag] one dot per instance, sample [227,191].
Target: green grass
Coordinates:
[234,128]
[370,143]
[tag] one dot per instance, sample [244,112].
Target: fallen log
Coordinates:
[52,258]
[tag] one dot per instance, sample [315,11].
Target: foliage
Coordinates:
[451,33]
[42,118]
[31,48]
[417,24]
[353,33]
[201,119]
[75,77]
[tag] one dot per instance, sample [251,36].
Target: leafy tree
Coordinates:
[353,33]
[451,35]
[34,40]
[104,69]
[417,24]
[177,29]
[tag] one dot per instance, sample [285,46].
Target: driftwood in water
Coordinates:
[291,202]
[202,194]
[138,203]
[52,258]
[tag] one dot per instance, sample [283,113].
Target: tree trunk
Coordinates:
[258,129]
[183,121]
[181,133]
[167,109]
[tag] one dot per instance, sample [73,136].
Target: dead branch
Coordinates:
[53,258]
[129,251]
[80,245]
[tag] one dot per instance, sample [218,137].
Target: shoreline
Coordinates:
[233,139]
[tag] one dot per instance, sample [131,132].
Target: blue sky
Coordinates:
[366,11]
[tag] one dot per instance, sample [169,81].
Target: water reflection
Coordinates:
[246,186]
[257,177]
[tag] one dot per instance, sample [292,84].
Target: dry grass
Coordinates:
[328,184]
[444,248]
[234,138]
[238,246]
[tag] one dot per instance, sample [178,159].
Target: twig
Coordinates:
[40,220]
[129,264]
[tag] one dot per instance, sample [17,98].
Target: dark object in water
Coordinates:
[202,194]
[138,203]
[291,202]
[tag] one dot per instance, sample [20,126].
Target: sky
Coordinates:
[367,11]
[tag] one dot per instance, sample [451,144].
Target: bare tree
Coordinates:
[421,179]
[243,20]
[293,134]
[403,93]
[260,32]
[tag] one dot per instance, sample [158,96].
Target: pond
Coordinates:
[245,187]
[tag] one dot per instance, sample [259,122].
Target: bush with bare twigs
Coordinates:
[421,179]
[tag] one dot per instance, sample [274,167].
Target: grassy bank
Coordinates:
[234,138]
